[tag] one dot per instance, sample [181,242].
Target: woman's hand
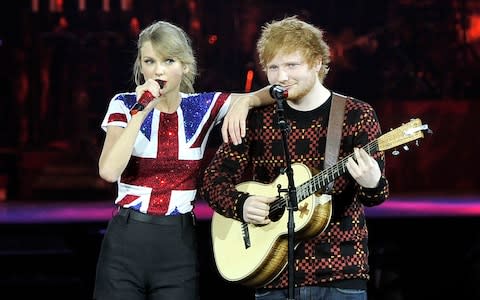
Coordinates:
[234,123]
[153,87]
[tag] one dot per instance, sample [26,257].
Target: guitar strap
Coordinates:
[334,132]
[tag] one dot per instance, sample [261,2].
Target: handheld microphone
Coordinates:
[278,92]
[145,99]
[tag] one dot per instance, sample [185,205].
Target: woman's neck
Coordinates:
[169,103]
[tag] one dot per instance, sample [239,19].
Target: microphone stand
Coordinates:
[292,204]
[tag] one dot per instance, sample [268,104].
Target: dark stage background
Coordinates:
[61,62]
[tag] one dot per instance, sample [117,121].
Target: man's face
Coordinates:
[293,72]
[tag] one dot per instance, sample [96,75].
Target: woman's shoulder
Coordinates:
[125,95]
[201,95]
[124,98]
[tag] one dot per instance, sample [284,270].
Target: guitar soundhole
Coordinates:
[276,210]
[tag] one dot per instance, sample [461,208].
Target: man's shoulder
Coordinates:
[353,101]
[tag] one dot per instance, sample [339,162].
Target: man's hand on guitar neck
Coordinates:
[364,169]
[256,209]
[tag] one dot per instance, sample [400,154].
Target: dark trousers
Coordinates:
[146,257]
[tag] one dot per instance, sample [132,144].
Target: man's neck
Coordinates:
[318,95]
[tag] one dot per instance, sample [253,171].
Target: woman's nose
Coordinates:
[160,70]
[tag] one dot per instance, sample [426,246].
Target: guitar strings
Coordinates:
[305,189]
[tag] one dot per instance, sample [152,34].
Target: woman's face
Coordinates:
[155,66]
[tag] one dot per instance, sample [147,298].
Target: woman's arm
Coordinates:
[235,120]
[118,147]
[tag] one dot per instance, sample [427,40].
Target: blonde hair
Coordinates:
[289,35]
[169,41]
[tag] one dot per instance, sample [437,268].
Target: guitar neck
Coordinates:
[411,131]
[322,179]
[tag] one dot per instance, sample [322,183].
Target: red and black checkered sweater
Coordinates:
[339,255]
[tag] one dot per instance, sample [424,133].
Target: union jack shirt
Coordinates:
[161,176]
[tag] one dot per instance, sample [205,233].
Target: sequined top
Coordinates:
[338,256]
[161,176]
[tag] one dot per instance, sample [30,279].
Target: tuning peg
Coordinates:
[395,152]
[405,147]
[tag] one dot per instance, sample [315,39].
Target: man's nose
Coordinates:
[282,75]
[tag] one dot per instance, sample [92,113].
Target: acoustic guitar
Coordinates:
[254,255]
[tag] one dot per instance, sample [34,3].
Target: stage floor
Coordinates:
[26,212]
[417,244]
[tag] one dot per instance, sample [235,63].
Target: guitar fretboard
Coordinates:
[322,179]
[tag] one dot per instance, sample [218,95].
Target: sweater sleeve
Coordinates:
[220,178]
[369,131]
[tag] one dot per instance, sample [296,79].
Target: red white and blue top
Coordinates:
[161,176]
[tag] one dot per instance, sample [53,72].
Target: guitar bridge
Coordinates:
[246,235]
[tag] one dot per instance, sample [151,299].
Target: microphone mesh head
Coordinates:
[278,92]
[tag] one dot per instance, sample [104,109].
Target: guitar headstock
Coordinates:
[404,134]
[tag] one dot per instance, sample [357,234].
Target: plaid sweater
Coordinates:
[339,255]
